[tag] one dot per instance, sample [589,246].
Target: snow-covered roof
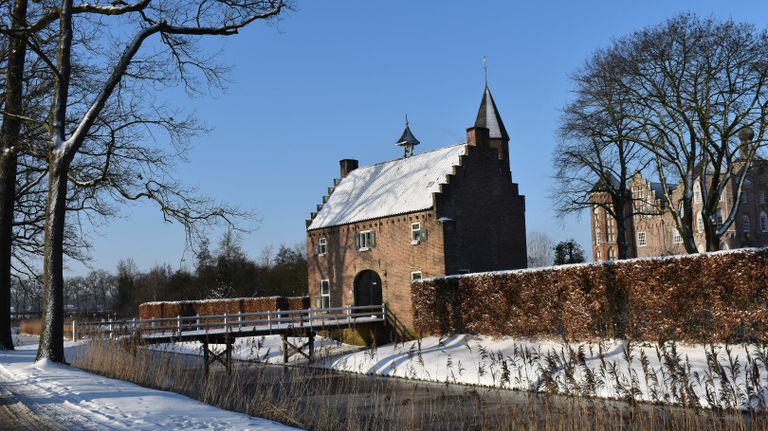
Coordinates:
[389,188]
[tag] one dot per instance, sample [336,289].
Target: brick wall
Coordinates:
[711,297]
[489,228]
[393,259]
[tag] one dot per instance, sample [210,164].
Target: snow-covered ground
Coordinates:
[679,373]
[76,399]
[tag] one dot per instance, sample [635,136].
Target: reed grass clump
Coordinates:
[322,399]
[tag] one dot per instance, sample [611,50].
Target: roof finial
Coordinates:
[485,69]
[407,140]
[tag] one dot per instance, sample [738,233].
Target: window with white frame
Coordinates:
[699,223]
[325,294]
[676,238]
[745,225]
[365,240]
[415,275]
[697,193]
[322,246]
[641,239]
[599,254]
[415,233]
[611,254]
[763,221]
[761,197]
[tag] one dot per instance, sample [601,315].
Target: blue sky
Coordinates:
[334,79]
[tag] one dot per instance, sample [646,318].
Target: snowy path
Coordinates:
[74,399]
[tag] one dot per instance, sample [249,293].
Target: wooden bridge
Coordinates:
[225,329]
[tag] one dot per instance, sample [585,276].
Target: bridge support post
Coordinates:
[224,357]
[205,357]
[290,349]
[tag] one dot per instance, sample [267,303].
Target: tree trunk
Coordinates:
[7,200]
[52,336]
[9,137]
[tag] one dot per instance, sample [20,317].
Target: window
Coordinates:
[325,294]
[719,218]
[761,197]
[743,198]
[322,246]
[745,227]
[699,223]
[641,239]
[599,255]
[676,238]
[611,254]
[611,228]
[365,240]
[697,194]
[417,233]
[763,221]
[416,275]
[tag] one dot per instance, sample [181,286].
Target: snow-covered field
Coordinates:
[76,399]
[678,373]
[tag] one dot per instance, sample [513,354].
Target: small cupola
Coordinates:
[407,140]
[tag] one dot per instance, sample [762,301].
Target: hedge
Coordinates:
[712,297]
[209,307]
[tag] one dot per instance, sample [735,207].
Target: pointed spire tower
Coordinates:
[488,117]
[407,140]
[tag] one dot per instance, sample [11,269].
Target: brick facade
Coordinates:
[476,223]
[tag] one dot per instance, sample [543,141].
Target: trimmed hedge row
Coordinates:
[204,307]
[713,297]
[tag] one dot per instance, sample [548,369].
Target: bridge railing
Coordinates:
[79,329]
[269,320]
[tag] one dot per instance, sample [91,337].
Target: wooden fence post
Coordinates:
[74,332]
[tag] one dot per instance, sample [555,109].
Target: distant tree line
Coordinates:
[225,272]
[542,250]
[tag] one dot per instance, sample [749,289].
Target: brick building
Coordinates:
[652,230]
[447,211]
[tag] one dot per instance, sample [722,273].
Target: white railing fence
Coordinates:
[276,320]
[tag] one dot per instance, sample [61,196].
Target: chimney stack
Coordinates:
[478,137]
[346,166]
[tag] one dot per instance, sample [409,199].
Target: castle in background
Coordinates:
[452,210]
[652,231]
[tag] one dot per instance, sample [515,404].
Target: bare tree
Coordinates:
[598,154]
[540,249]
[9,133]
[693,85]
[177,25]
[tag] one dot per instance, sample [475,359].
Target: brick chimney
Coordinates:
[346,166]
[478,137]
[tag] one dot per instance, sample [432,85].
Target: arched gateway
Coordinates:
[368,288]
